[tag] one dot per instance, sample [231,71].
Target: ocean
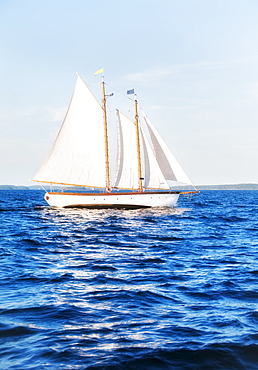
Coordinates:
[129,289]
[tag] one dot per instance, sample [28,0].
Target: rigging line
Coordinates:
[124,95]
[93,84]
[43,188]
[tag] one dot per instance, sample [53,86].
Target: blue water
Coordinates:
[142,289]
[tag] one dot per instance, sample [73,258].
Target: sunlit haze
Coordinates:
[193,64]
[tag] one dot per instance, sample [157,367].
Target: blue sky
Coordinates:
[193,63]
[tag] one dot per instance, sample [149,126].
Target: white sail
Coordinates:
[127,166]
[78,155]
[153,177]
[168,164]
[127,170]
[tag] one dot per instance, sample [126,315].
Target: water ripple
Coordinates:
[121,289]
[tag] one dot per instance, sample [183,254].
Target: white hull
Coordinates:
[112,200]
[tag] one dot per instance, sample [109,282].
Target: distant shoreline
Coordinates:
[199,187]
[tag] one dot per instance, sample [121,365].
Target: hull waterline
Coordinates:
[112,200]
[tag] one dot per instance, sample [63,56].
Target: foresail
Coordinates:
[168,164]
[127,170]
[153,177]
[77,156]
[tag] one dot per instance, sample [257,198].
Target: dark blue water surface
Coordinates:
[120,289]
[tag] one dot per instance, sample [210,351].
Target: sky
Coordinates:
[193,64]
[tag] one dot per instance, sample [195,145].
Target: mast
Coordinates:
[140,178]
[108,187]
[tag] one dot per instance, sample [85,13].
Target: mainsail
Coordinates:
[153,177]
[127,166]
[78,154]
[168,164]
[127,170]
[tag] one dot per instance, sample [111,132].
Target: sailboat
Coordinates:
[80,158]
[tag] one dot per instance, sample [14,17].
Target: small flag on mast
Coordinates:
[101,70]
[130,91]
